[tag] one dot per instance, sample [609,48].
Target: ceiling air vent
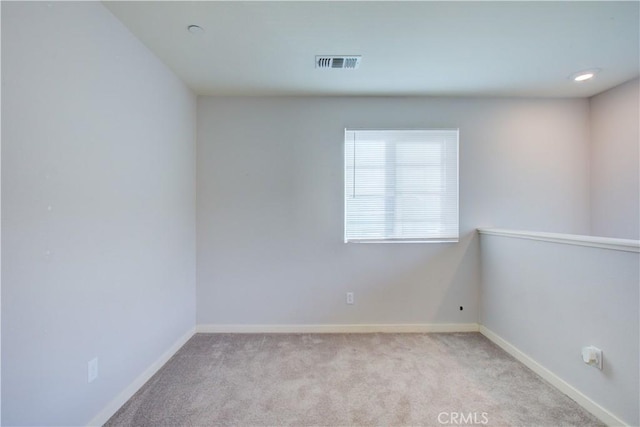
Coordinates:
[338,62]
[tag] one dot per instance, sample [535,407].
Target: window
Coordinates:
[401,185]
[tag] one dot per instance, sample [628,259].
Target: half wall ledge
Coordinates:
[626,245]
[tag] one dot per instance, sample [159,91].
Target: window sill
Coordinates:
[401,241]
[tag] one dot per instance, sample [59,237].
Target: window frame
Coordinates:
[442,165]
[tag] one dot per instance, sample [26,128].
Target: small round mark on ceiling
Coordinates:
[195,29]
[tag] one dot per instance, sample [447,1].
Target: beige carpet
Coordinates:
[347,379]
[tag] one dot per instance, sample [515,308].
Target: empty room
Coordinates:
[327,213]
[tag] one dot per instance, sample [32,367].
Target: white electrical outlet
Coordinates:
[350,298]
[592,356]
[92,369]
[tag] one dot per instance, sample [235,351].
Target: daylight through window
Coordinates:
[401,185]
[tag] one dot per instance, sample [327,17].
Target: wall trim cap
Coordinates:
[338,328]
[626,245]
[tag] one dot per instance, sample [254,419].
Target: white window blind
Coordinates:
[401,185]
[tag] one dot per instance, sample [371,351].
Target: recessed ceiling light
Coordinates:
[583,76]
[195,29]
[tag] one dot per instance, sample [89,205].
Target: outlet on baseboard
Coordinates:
[92,369]
[350,300]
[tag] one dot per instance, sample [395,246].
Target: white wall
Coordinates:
[97,128]
[615,162]
[0,237]
[270,206]
[549,300]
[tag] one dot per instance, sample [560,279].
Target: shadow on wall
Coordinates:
[463,277]
[440,280]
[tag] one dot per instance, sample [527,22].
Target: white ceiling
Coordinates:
[407,48]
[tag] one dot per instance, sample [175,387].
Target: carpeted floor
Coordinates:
[345,380]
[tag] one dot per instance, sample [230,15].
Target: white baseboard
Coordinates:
[605,416]
[339,328]
[113,406]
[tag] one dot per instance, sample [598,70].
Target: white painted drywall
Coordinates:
[0,232]
[270,205]
[99,130]
[549,300]
[615,162]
